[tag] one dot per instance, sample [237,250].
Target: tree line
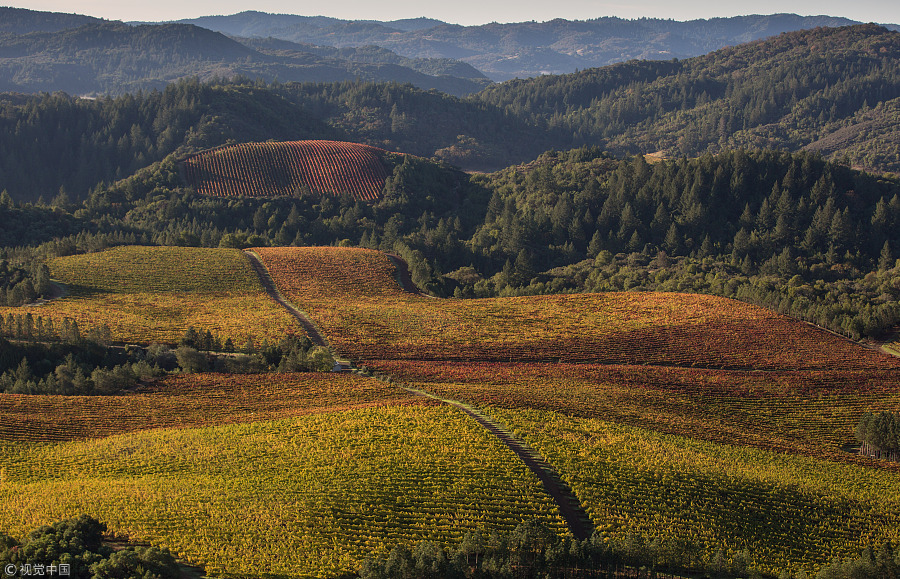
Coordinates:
[533,551]
[35,359]
[19,286]
[879,435]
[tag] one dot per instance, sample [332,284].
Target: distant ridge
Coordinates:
[525,49]
[24,21]
[288,168]
[50,52]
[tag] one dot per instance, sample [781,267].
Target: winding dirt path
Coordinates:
[569,506]
[403,276]
[268,283]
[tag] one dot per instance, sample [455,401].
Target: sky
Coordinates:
[469,12]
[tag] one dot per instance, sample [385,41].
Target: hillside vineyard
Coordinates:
[288,168]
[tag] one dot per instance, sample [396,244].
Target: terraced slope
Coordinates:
[153,294]
[288,168]
[354,298]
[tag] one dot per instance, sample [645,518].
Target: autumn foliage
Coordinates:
[810,412]
[191,401]
[288,168]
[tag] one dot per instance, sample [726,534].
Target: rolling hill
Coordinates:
[308,476]
[154,294]
[787,92]
[356,301]
[833,91]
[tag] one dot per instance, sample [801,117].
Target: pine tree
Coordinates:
[886,260]
[596,245]
[672,242]
[191,339]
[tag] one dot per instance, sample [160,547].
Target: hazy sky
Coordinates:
[472,11]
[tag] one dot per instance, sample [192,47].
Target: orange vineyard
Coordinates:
[288,168]
[192,401]
[354,298]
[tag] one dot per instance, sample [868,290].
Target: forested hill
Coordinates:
[23,21]
[112,57]
[834,90]
[791,232]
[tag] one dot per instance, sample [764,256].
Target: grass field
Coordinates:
[790,512]
[153,294]
[354,298]
[308,496]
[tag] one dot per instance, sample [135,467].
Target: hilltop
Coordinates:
[289,168]
[23,21]
[357,288]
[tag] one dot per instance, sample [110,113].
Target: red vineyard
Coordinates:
[288,168]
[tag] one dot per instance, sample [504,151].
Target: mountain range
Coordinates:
[524,49]
[43,51]
[88,56]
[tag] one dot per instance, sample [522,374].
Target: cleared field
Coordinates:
[807,412]
[288,168]
[192,400]
[309,496]
[354,298]
[153,294]
[790,512]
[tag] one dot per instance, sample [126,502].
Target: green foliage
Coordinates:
[84,143]
[19,286]
[76,546]
[880,432]
[791,232]
[881,565]
[76,368]
[834,90]
[139,563]
[191,360]
[532,550]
